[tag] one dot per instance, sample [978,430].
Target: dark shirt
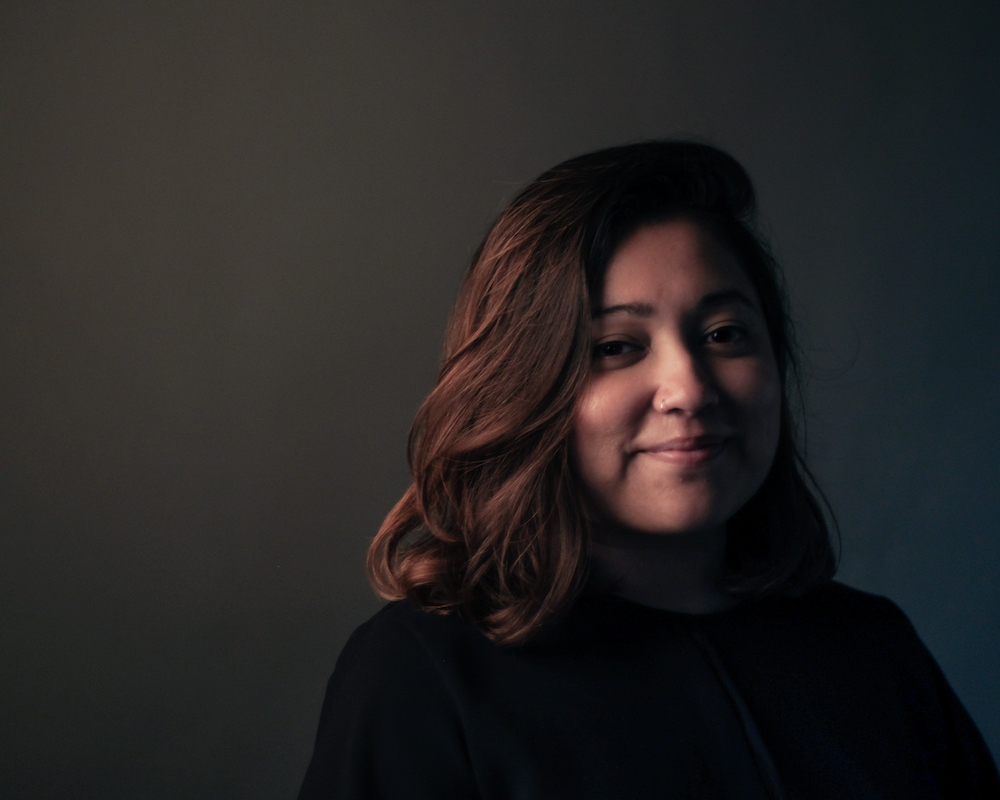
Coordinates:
[827,695]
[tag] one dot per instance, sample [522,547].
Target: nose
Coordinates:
[683,384]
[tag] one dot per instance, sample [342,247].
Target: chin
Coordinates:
[671,524]
[700,512]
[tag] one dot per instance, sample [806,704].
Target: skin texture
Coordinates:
[678,423]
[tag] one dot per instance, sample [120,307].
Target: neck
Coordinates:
[676,572]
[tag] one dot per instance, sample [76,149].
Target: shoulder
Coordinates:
[840,606]
[837,599]
[395,673]
[391,724]
[832,641]
[403,645]
[402,626]
[831,624]
[863,615]
[866,635]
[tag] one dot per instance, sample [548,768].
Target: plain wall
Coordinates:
[230,234]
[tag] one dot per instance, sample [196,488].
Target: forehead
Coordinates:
[674,262]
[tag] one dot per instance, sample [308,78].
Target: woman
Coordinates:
[610,576]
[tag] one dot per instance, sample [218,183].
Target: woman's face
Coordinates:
[678,422]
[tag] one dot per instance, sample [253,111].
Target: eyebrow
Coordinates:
[708,302]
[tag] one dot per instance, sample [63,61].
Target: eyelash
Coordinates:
[740,337]
[601,350]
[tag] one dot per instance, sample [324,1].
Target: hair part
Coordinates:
[495,525]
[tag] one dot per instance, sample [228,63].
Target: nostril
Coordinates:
[689,397]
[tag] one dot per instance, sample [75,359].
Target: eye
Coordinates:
[614,348]
[727,334]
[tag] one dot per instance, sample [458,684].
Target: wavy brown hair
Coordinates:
[494,526]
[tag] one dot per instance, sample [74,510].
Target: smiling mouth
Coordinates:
[687,451]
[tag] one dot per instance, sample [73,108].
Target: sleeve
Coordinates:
[953,748]
[973,773]
[389,727]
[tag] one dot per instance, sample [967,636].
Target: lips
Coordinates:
[686,450]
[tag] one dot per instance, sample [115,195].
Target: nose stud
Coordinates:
[663,404]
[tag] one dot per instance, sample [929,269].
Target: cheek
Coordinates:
[599,428]
[587,432]
[759,397]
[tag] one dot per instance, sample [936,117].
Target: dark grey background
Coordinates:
[230,233]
